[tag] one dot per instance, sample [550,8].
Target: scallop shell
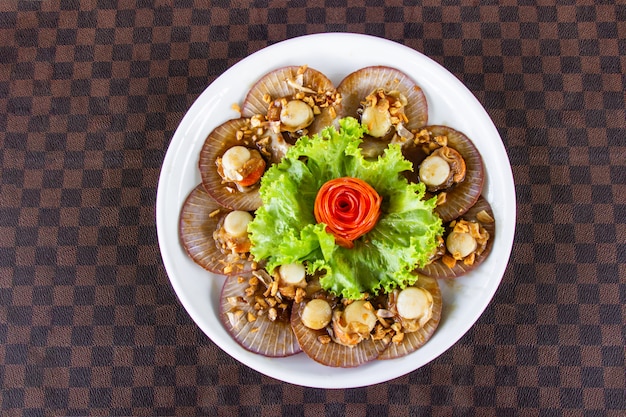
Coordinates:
[462,196]
[414,340]
[333,354]
[275,85]
[196,227]
[438,269]
[262,336]
[216,144]
[359,84]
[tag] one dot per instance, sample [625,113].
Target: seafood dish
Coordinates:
[333,212]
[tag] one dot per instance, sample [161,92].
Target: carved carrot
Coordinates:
[349,207]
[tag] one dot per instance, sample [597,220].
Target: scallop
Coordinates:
[220,140]
[458,198]
[265,330]
[330,353]
[199,218]
[482,213]
[299,85]
[355,87]
[317,314]
[414,340]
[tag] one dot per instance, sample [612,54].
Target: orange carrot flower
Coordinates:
[349,207]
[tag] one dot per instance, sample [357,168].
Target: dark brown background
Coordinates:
[90,95]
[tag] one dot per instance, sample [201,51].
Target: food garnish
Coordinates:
[349,207]
[285,229]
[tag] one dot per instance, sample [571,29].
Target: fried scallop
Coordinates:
[260,323]
[474,233]
[293,101]
[415,331]
[384,99]
[235,133]
[320,339]
[200,219]
[458,186]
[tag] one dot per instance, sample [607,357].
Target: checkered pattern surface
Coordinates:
[90,95]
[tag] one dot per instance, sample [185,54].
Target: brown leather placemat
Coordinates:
[90,95]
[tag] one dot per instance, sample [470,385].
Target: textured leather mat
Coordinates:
[90,95]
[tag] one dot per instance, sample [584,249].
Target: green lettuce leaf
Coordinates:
[284,229]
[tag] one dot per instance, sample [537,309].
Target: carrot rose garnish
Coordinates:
[349,207]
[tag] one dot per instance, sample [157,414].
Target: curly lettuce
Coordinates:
[285,231]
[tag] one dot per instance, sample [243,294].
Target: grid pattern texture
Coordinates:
[90,95]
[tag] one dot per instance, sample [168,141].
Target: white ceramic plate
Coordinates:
[336,55]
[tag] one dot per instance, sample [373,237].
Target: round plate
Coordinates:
[336,55]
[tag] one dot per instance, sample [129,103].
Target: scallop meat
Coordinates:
[458,197]
[413,340]
[293,100]
[200,217]
[258,322]
[220,140]
[319,345]
[411,100]
[480,213]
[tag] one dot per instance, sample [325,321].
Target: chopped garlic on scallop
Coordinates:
[236,223]
[316,314]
